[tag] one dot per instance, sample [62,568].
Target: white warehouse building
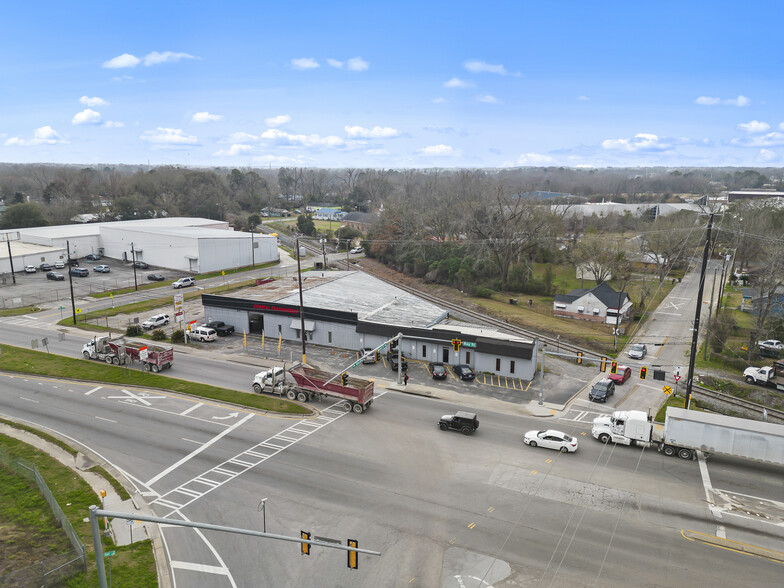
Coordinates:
[196,245]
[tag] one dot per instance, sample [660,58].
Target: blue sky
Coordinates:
[399,84]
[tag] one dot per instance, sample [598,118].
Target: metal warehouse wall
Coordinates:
[164,250]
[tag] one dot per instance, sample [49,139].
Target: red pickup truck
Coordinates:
[622,373]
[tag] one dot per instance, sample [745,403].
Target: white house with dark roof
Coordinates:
[600,304]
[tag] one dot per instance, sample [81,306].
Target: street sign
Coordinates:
[667,390]
[470,344]
[677,377]
[78,311]
[109,553]
[355,364]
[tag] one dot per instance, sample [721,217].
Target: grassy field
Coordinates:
[18,311]
[31,533]
[18,359]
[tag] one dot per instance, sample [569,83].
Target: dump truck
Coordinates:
[311,383]
[685,432]
[119,350]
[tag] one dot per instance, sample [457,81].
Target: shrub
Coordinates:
[133,331]
[158,335]
[178,336]
[483,292]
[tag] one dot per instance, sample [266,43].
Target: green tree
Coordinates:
[19,216]
[305,225]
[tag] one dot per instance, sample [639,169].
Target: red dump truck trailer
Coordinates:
[153,356]
[311,383]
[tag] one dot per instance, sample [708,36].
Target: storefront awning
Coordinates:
[296,324]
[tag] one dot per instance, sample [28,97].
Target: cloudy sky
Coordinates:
[398,84]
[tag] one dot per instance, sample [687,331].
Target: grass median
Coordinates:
[20,360]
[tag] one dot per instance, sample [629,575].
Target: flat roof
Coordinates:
[18,248]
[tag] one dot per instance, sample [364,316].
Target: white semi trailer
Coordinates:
[686,431]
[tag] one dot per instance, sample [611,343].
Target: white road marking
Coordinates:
[197,567]
[197,451]
[29,400]
[231,415]
[103,419]
[192,408]
[191,441]
[706,483]
[93,390]
[141,397]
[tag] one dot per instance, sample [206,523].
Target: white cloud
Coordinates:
[535,159]
[239,137]
[276,121]
[164,137]
[205,117]
[439,100]
[488,99]
[334,63]
[124,60]
[42,135]
[583,98]
[458,83]
[87,117]
[766,156]
[741,100]
[640,142]
[287,139]
[754,126]
[304,63]
[773,139]
[357,64]
[236,149]
[374,133]
[440,150]
[476,66]
[377,152]
[156,57]
[113,124]
[92,102]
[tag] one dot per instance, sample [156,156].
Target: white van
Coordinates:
[204,334]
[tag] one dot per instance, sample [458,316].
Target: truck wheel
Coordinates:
[302,397]
[358,408]
[604,437]
[108,359]
[749,380]
[466,430]
[291,395]
[257,388]
[443,427]
[684,453]
[86,354]
[146,367]
[155,368]
[116,360]
[347,406]
[668,450]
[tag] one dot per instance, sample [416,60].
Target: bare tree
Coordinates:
[670,239]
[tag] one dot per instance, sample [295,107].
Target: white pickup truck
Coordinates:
[764,376]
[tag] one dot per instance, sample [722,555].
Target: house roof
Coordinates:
[359,217]
[604,292]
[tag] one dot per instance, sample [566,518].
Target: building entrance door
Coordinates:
[445,354]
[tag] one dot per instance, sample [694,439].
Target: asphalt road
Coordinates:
[444,509]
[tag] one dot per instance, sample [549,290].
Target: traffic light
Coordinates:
[393,344]
[614,367]
[603,365]
[377,356]
[643,373]
[353,556]
[305,546]
[343,379]
[456,345]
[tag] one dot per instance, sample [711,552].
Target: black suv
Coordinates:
[220,327]
[464,372]
[392,359]
[602,390]
[465,422]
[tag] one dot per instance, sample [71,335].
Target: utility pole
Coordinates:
[70,279]
[710,314]
[301,306]
[10,258]
[696,328]
[252,251]
[133,256]
[324,251]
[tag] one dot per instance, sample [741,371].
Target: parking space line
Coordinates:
[192,408]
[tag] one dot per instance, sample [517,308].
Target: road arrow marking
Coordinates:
[231,415]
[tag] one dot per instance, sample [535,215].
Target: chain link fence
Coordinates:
[50,571]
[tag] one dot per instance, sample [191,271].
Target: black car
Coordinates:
[602,390]
[392,359]
[464,372]
[74,262]
[45,267]
[140,265]
[220,327]
[465,422]
[156,277]
[438,371]
[54,276]
[79,272]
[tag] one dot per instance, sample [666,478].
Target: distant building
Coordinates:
[361,221]
[734,195]
[333,214]
[599,304]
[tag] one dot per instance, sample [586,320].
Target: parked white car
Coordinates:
[156,321]
[771,344]
[356,250]
[30,269]
[59,264]
[204,334]
[183,283]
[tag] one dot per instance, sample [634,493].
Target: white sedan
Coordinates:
[551,439]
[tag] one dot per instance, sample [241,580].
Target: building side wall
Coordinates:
[167,251]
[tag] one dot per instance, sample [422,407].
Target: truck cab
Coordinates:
[268,379]
[624,426]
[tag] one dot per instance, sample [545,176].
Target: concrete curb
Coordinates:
[734,545]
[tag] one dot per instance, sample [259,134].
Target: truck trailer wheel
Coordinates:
[358,408]
[604,437]
[291,395]
[668,450]
[257,388]
[684,453]
[155,368]
[86,354]
[302,397]
[347,406]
